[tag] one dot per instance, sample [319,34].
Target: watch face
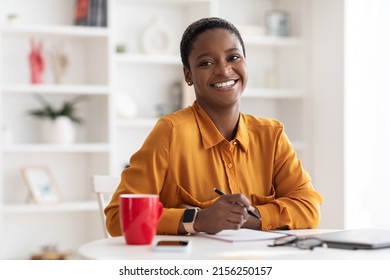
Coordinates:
[189,215]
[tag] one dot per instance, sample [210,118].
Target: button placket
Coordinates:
[227,150]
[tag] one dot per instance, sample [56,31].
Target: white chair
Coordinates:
[104,186]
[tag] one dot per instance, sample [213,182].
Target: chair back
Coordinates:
[104,186]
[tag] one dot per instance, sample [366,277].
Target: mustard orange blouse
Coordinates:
[185,157]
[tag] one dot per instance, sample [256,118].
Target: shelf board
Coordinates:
[56,89]
[176,2]
[77,206]
[273,93]
[136,123]
[56,148]
[149,58]
[273,41]
[57,30]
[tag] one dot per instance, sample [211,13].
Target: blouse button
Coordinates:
[230,165]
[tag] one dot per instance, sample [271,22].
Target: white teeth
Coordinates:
[224,84]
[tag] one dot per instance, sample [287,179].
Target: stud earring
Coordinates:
[189,83]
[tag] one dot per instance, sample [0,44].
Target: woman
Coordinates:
[212,144]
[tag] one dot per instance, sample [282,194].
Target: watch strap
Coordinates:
[189,226]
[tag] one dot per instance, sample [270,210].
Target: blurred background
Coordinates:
[105,70]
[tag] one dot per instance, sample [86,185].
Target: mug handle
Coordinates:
[160,210]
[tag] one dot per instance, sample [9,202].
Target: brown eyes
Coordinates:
[207,63]
[234,57]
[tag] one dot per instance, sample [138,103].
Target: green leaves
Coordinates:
[67,109]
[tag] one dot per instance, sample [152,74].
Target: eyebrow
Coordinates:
[209,53]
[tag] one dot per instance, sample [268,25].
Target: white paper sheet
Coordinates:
[243,235]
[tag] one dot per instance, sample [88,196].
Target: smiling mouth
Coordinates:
[226,84]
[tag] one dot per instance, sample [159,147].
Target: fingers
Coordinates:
[242,205]
[234,210]
[221,215]
[239,199]
[228,212]
[212,220]
[238,203]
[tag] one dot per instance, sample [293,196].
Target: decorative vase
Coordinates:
[277,23]
[157,37]
[58,131]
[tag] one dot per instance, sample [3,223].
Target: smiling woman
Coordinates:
[213,144]
[217,68]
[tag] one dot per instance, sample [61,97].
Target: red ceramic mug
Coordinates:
[139,216]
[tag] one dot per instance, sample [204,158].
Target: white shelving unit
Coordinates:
[149,59]
[58,30]
[27,226]
[56,89]
[99,74]
[75,206]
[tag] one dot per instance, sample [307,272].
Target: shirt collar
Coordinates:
[242,135]
[210,134]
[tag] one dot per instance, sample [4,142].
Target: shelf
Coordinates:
[136,123]
[78,206]
[56,89]
[177,2]
[149,58]
[273,93]
[57,30]
[273,41]
[53,148]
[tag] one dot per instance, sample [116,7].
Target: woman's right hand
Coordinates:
[230,211]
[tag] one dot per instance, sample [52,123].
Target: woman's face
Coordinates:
[218,69]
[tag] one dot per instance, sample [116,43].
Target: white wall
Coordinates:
[350,83]
[327,78]
[367,114]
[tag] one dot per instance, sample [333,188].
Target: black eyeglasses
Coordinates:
[306,243]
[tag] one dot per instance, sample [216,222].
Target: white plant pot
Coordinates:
[58,131]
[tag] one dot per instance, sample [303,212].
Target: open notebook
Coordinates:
[243,235]
[357,239]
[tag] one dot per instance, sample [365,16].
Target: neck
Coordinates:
[226,120]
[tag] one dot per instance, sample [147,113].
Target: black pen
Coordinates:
[253,214]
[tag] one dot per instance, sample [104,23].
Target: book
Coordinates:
[81,12]
[91,13]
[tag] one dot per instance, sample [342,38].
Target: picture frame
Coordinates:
[41,184]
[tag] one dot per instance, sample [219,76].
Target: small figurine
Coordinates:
[37,63]
[59,63]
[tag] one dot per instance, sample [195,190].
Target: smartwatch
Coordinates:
[189,220]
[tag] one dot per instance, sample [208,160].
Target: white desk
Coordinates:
[204,248]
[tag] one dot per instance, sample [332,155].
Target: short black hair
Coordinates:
[196,28]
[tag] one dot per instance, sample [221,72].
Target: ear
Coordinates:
[187,75]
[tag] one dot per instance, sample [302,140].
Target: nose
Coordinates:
[222,68]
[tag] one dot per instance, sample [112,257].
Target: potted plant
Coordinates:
[58,123]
